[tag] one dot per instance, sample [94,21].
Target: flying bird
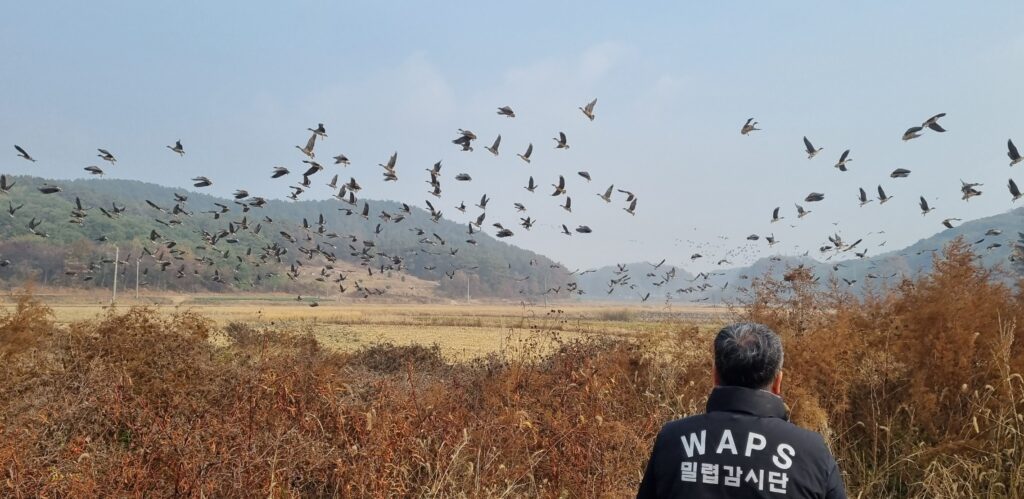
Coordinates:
[607,196]
[588,110]
[560,188]
[313,169]
[95,170]
[912,133]
[526,156]
[392,161]
[862,196]
[925,209]
[749,126]
[201,182]
[11,209]
[900,173]
[843,159]
[810,150]
[434,170]
[561,142]
[320,131]
[1012,152]
[968,190]
[814,197]
[106,156]
[23,154]
[506,111]
[530,186]
[775,215]
[882,198]
[308,149]
[632,207]
[177,148]
[493,148]
[465,139]
[933,123]
[1014,191]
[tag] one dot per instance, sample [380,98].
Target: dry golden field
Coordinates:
[462,330]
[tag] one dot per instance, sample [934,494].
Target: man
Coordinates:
[743,446]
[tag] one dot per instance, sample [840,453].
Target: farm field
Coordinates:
[462,330]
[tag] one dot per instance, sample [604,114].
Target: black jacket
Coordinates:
[742,447]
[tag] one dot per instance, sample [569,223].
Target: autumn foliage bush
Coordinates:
[918,387]
[915,388]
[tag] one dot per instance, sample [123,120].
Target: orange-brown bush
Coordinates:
[914,387]
[917,387]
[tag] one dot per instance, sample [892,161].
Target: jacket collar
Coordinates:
[758,403]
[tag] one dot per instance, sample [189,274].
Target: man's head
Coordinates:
[748,355]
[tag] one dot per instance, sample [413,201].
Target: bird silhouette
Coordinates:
[810,150]
[588,110]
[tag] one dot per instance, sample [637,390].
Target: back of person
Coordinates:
[743,446]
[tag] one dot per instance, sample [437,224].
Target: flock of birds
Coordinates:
[314,241]
[705,283]
[318,258]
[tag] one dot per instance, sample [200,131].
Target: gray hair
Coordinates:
[748,355]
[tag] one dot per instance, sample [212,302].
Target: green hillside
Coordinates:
[251,252]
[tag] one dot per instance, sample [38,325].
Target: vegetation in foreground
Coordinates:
[916,388]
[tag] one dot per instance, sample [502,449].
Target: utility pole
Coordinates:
[117,255]
[545,288]
[137,260]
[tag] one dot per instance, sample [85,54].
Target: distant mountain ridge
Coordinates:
[490,268]
[726,284]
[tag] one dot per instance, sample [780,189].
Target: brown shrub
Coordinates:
[390,358]
[893,379]
[25,326]
[915,387]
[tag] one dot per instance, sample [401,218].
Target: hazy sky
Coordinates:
[239,83]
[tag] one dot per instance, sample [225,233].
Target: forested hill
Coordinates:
[62,251]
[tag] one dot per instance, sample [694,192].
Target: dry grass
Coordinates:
[916,388]
[463,331]
[270,308]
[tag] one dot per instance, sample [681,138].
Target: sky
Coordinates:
[239,82]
